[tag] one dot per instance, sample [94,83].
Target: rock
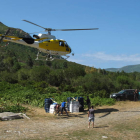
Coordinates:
[104,137]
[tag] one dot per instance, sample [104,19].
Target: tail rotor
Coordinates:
[2,37]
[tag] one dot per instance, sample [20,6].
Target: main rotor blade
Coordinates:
[74,29]
[65,30]
[33,23]
[50,29]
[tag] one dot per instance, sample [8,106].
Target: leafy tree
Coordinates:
[48,63]
[8,63]
[8,77]
[65,64]
[16,67]
[74,72]
[124,82]
[40,73]
[23,75]
[29,61]
[56,77]
[2,66]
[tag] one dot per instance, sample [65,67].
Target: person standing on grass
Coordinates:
[91,117]
[63,108]
[136,94]
[88,102]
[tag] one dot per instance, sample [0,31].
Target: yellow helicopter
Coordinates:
[46,43]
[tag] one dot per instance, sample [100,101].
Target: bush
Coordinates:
[39,74]
[8,107]
[97,101]
[50,90]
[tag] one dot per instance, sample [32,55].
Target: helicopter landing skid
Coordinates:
[50,57]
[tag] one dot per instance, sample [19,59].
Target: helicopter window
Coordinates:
[67,49]
[61,43]
[36,36]
[66,44]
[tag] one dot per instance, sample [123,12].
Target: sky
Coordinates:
[114,45]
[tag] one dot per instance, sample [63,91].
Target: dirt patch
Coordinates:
[43,125]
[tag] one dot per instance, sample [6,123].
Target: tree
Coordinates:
[8,63]
[40,73]
[56,77]
[124,82]
[8,77]
[16,67]
[29,61]
[48,63]
[65,65]
[23,74]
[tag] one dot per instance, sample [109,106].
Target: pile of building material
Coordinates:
[5,116]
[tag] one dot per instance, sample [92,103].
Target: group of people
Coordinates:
[63,108]
[90,111]
[90,108]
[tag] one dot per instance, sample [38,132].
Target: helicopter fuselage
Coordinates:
[46,45]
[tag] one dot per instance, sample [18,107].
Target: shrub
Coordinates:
[97,101]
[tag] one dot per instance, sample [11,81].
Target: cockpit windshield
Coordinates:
[61,43]
[66,45]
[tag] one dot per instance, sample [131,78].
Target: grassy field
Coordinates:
[117,122]
[129,130]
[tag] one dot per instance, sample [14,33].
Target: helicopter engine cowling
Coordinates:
[46,36]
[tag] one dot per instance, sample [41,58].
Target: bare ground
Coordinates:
[42,125]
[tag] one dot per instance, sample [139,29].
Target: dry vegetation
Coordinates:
[120,121]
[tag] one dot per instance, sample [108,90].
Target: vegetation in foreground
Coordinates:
[14,95]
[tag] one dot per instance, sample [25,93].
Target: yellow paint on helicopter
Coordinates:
[55,45]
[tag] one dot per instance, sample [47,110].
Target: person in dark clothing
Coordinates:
[136,95]
[63,108]
[88,102]
[91,116]
[57,109]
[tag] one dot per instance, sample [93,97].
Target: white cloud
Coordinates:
[76,60]
[103,60]
[108,57]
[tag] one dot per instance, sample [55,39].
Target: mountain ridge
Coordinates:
[127,69]
[13,31]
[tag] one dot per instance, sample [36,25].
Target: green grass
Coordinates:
[126,130]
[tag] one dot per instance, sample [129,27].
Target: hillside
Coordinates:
[19,70]
[13,31]
[22,52]
[127,69]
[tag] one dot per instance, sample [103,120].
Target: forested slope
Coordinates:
[21,75]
